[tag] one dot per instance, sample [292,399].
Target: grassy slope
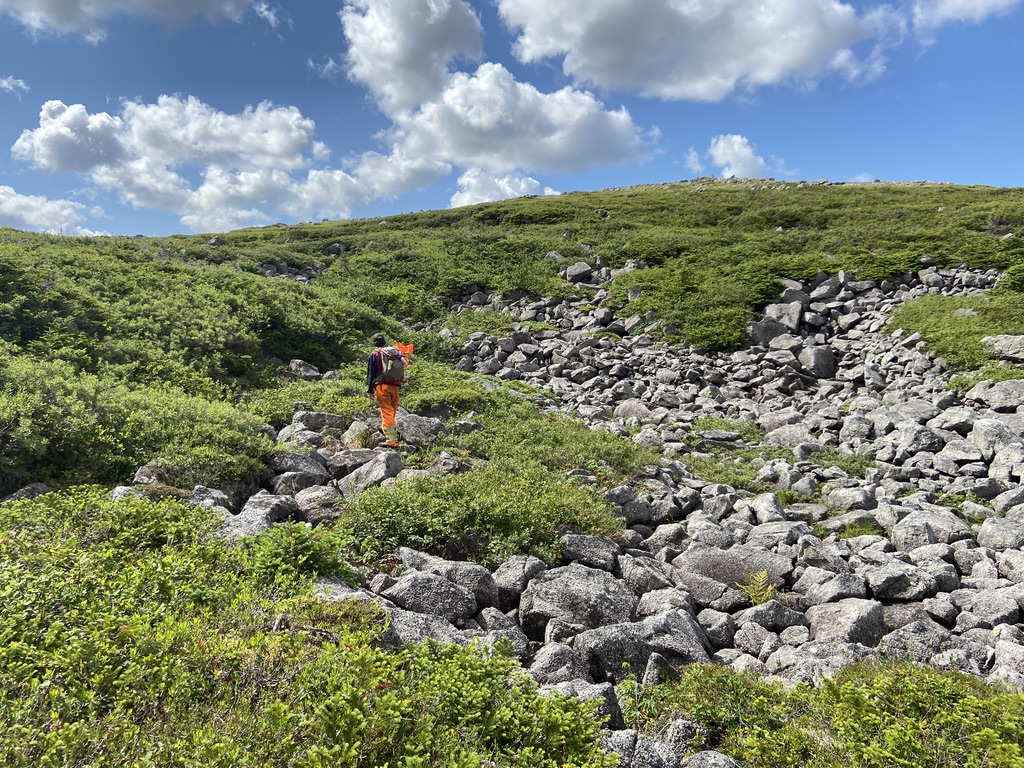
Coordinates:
[118,351]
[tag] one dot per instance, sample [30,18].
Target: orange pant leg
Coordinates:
[387,401]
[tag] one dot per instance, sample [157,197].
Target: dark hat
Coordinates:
[378,340]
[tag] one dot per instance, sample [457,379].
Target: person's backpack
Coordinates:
[392,366]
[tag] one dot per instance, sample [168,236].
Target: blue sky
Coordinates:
[154,117]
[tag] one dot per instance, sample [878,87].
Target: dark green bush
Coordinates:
[130,636]
[487,514]
[871,715]
[60,426]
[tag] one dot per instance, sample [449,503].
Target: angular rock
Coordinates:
[385,465]
[512,577]
[318,504]
[471,576]
[257,515]
[735,565]
[934,526]
[1000,533]
[433,595]
[850,620]
[575,594]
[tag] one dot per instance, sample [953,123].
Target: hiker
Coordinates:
[385,372]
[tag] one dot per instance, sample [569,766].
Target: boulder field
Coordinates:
[936,576]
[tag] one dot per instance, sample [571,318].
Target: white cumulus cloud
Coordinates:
[215,170]
[736,157]
[476,186]
[693,161]
[70,139]
[698,49]
[485,121]
[929,14]
[39,213]
[401,49]
[489,120]
[13,85]
[87,17]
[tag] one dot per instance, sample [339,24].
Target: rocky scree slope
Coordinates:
[938,584]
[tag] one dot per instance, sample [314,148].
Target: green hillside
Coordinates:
[129,637]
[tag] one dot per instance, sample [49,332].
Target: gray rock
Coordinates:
[709,759]
[316,421]
[608,708]
[341,463]
[719,627]
[787,314]
[471,576]
[1007,467]
[847,499]
[580,272]
[318,504]
[512,577]
[613,652]
[767,508]
[300,369]
[819,361]
[638,751]
[735,565]
[557,663]
[407,627]
[257,515]
[1011,565]
[918,641]
[290,483]
[385,465]
[513,637]
[644,574]
[433,595]
[33,490]
[790,436]
[990,436]
[850,620]
[1000,533]
[752,638]
[593,551]
[934,526]
[418,430]
[209,498]
[661,600]
[575,594]
[900,581]
[1007,346]
[1008,665]
[773,616]
[839,587]
[1002,397]
[996,608]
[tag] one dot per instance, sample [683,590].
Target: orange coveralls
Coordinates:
[386,395]
[387,401]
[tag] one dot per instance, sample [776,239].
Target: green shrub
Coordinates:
[870,714]
[957,339]
[60,426]
[485,515]
[293,550]
[516,430]
[130,636]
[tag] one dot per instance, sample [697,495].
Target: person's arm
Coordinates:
[371,372]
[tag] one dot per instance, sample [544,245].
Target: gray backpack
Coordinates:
[392,366]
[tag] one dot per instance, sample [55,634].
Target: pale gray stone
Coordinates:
[850,620]
[575,594]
